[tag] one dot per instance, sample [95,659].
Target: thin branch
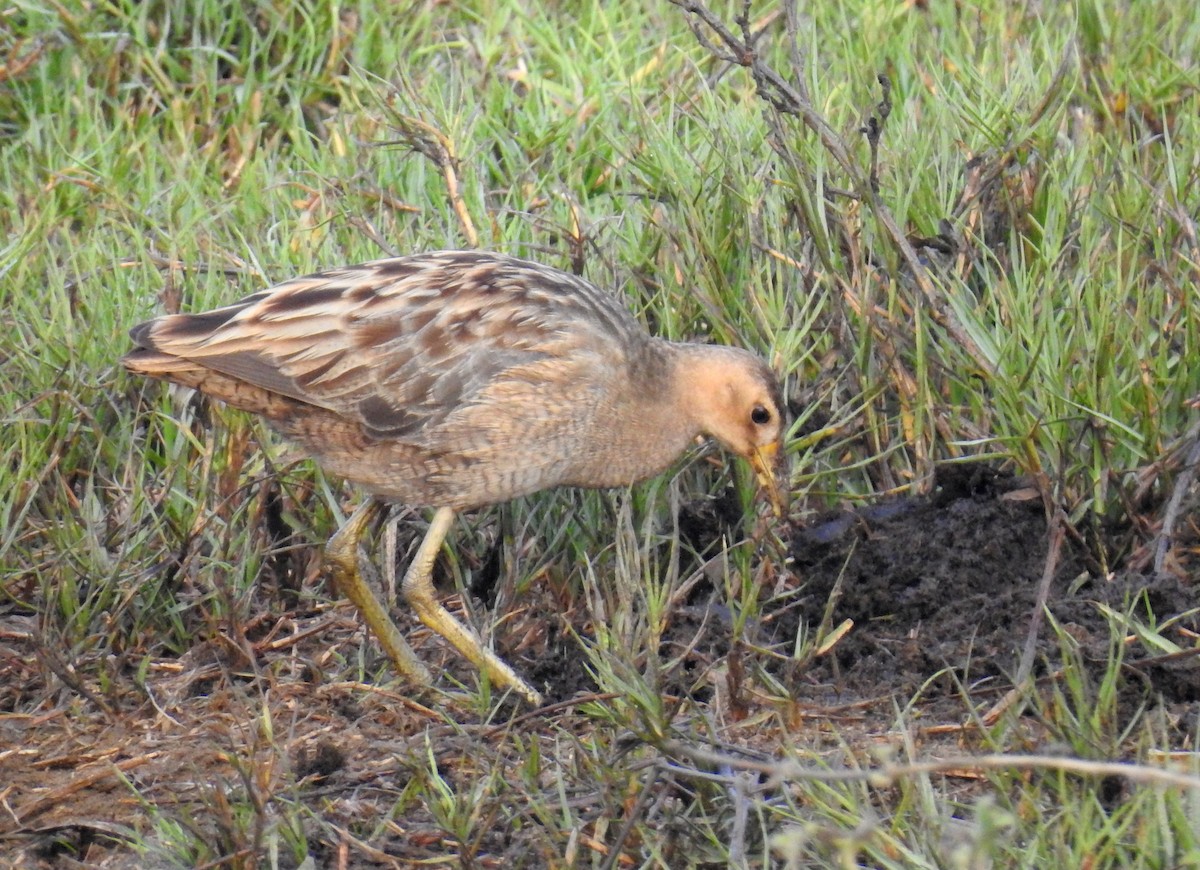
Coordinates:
[631,819]
[438,148]
[1057,535]
[873,129]
[1182,484]
[888,774]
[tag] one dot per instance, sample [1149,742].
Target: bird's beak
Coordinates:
[769,468]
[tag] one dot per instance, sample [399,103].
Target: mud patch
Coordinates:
[941,592]
[940,584]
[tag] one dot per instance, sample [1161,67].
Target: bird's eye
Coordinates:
[760,416]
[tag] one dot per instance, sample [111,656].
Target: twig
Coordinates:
[739,792]
[438,148]
[167,265]
[67,675]
[16,63]
[1057,534]
[492,731]
[89,777]
[635,813]
[887,773]
[873,129]
[1182,484]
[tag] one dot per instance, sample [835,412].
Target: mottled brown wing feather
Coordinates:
[401,344]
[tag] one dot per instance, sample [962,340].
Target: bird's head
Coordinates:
[735,398]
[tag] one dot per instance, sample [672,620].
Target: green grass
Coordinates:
[167,154]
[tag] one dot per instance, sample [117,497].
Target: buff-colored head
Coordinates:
[734,397]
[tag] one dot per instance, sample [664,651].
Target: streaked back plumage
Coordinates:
[456,378]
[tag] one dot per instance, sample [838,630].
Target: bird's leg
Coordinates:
[345,570]
[419,592]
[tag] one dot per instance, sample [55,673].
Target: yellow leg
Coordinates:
[341,557]
[419,592]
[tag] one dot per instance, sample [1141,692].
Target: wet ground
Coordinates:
[942,591]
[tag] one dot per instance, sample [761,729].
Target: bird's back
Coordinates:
[456,378]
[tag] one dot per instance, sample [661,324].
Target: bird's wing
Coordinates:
[400,344]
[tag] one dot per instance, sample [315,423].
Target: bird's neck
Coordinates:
[652,434]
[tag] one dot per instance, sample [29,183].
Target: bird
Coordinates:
[453,380]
